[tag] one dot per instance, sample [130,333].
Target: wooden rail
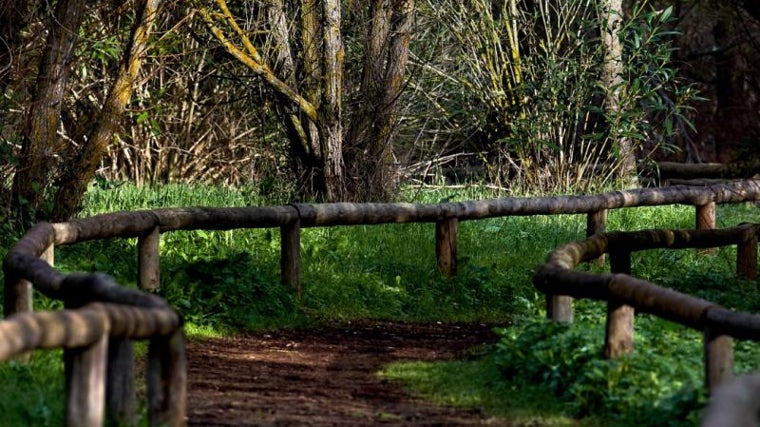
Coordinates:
[674,173]
[96,331]
[625,294]
[737,170]
[110,311]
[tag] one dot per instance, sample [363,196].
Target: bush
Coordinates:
[659,384]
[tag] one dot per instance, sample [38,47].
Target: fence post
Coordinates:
[596,223]
[121,395]
[705,220]
[719,357]
[559,308]
[705,216]
[746,255]
[85,383]
[290,255]
[446,231]
[167,380]
[148,263]
[18,292]
[618,338]
[48,255]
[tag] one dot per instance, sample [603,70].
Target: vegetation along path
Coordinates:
[325,376]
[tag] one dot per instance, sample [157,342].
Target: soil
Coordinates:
[325,376]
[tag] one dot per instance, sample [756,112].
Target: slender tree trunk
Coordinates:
[330,120]
[311,71]
[371,130]
[305,155]
[612,79]
[40,143]
[385,120]
[69,196]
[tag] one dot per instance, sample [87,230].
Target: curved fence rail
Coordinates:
[96,331]
[625,294]
[115,315]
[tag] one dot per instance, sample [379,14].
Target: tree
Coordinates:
[304,67]
[612,81]
[40,142]
[50,170]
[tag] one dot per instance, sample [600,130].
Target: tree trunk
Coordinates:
[611,80]
[371,131]
[69,196]
[40,143]
[305,155]
[329,121]
[310,96]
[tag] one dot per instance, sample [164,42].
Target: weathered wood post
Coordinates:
[17,295]
[18,292]
[121,394]
[167,380]
[48,255]
[618,338]
[705,216]
[85,383]
[746,255]
[596,223]
[148,263]
[705,220]
[446,233]
[559,308]
[290,255]
[719,357]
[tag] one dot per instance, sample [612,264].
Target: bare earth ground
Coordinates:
[325,376]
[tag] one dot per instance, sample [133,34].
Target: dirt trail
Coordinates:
[324,377]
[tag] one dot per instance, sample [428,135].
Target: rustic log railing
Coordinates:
[625,294]
[96,331]
[674,173]
[117,315]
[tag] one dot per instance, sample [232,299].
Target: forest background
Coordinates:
[346,100]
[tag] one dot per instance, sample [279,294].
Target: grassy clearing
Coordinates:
[225,281]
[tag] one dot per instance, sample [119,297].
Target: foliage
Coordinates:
[229,292]
[478,384]
[643,388]
[533,70]
[33,393]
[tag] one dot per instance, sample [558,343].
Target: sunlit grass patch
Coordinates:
[478,384]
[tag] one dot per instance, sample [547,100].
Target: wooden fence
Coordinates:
[625,295]
[114,315]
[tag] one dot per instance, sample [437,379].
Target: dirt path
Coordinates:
[323,377]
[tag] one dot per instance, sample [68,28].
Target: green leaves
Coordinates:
[659,384]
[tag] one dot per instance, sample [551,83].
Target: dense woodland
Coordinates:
[345,100]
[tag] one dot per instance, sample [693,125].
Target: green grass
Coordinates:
[480,384]
[33,393]
[226,281]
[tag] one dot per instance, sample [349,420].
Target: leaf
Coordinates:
[142,117]
[666,13]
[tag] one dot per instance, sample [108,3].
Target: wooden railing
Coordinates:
[625,295]
[673,173]
[118,315]
[96,331]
